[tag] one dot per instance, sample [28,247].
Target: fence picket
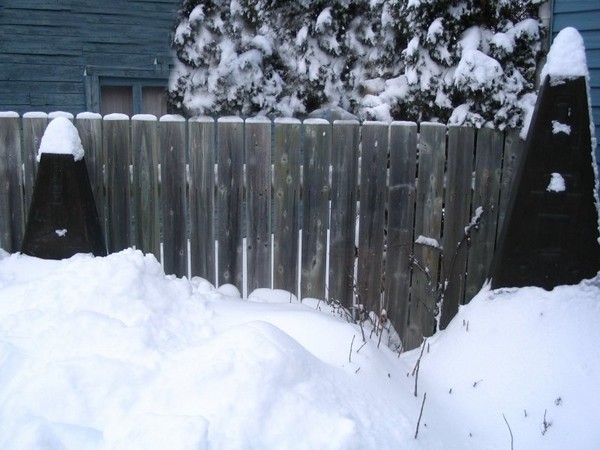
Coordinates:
[486,193]
[230,182]
[286,201]
[258,176]
[317,155]
[116,148]
[457,206]
[202,204]
[372,214]
[428,223]
[173,192]
[89,128]
[144,145]
[401,213]
[513,149]
[344,196]
[12,220]
[34,126]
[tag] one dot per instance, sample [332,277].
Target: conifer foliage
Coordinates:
[462,61]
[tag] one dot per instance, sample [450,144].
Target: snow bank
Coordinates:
[101,353]
[61,137]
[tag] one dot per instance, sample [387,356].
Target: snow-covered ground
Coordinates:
[107,353]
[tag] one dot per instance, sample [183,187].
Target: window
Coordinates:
[127,91]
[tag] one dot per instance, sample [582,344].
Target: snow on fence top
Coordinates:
[566,58]
[61,137]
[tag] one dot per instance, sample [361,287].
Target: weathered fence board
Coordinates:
[459,173]
[401,213]
[144,145]
[230,182]
[317,155]
[428,224]
[202,190]
[116,148]
[89,127]
[372,215]
[286,188]
[344,196]
[486,194]
[173,189]
[34,126]
[417,188]
[258,181]
[12,220]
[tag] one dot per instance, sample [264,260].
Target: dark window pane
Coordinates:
[116,99]
[154,101]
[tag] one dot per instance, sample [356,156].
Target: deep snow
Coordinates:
[111,353]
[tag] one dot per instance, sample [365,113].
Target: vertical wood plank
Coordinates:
[317,156]
[373,190]
[459,173]
[173,191]
[202,191]
[144,145]
[286,203]
[34,125]
[117,148]
[258,202]
[428,223]
[12,223]
[89,126]
[400,225]
[230,182]
[486,194]
[344,196]
[513,149]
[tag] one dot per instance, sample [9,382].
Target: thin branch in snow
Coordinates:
[545,424]
[420,415]
[510,431]
[417,366]
[350,354]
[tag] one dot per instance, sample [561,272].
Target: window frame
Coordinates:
[137,79]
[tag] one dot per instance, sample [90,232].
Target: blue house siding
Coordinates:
[585,16]
[55,54]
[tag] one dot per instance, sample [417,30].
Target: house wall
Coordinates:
[584,15]
[55,54]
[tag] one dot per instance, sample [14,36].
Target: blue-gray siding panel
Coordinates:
[46,45]
[585,16]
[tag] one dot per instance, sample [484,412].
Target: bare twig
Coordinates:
[350,354]
[417,366]
[510,431]
[545,424]
[420,415]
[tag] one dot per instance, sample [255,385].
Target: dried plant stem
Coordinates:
[420,415]
[510,431]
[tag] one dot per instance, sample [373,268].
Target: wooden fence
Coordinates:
[331,211]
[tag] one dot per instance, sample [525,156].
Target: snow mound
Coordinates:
[566,58]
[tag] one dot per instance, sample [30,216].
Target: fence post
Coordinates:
[12,221]
[258,202]
[428,223]
[202,203]
[116,145]
[372,214]
[317,156]
[34,125]
[286,204]
[144,146]
[488,167]
[457,207]
[173,191]
[230,182]
[401,213]
[344,196]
